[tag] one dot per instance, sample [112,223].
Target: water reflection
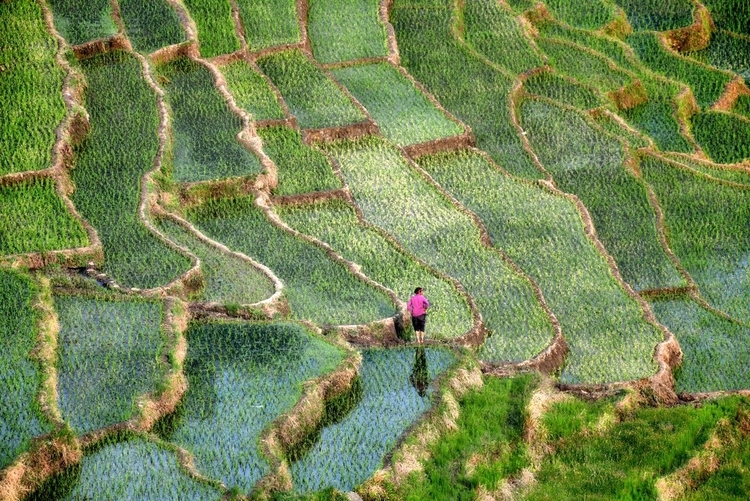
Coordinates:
[420,378]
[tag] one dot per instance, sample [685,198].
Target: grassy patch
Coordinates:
[656,118]
[614,127]
[251,91]
[205,129]
[403,113]
[216,35]
[727,51]
[742,106]
[33,218]
[732,15]
[108,357]
[318,289]
[723,136]
[394,395]
[589,15]
[554,86]
[150,24]
[109,165]
[80,21]
[269,23]
[342,32]
[312,97]
[657,15]
[30,85]
[301,168]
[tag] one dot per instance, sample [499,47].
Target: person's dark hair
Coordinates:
[417,290]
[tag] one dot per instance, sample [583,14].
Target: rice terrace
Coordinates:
[213,214]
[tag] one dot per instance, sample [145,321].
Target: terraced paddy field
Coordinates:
[213,214]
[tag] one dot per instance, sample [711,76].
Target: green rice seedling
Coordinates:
[393,196]
[350,451]
[706,83]
[656,118]
[251,91]
[731,15]
[108,357]
[726,51]
[34,219]
[405,115]
[342,32]
[269,23]
[151,25]
[520,6]
[301,169]
[589,15]
[80,21]
[20,417]
[473,91]
[30,85]
[123,468]
[623,460]
[318,289]
[494,32]
[742,105]
[311,96]
[109,165]
[205,129]
[216,33]
[724,137]
[545,235]
[657,15]
[714,349]
[608,122]
[336,223]
[554,86]
[707,168]
[488,437]
[241,378]
[588,163]
[228,279]
[708,223]
[588,68]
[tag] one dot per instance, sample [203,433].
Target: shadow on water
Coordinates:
[420,377]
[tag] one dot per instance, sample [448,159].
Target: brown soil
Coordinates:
[629,96]
[329,134]
[734,89]
[101,46]
[620,27]
[311,198]
[694,37]
[453,143]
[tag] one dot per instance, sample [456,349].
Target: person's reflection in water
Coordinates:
[420,378]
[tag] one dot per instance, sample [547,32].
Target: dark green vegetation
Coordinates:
[20,416]
[657,15]
[241,378]
[108,358]
[80,21]
[342,31]
[151,24]
[33,218]
[216,34]
[205,129]
[723,136]
[269,23]
[251,91]
[565,90]
[109,165]
[30,85]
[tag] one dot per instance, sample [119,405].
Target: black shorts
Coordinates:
[418,322]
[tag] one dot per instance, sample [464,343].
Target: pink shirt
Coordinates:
[417,305]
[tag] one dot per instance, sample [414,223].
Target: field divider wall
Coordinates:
[393,55]
[476,335]
[622,123]
[296,425]
[675,156]
[734,89]
[239,29]
[515,97]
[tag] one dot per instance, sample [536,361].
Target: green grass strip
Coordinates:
[707,83]
[312,97]
[494,32]
[20,417]
[345,31]
[205,129]
[396,198]
[656,118]
[586,162]
[108,357]
[336,224]
[251,91]
[732,15]
[740,176]
[109,165]
[587,14]
[742,105]
[429,52]
[489,438]
[318,288]
[709,228]
[611,125]
[545,235]
[241,378]
[228,279]
[714,349]
[216,33]
[405,115]
[80,21]
[554,86]
[301,168]
[623,460]
[350,451]
[726,51]
[657,15]
[723,136]
[34,219]
[269,23]
[31,87]
[126,468]
[151,24]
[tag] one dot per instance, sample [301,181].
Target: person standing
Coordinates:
[418,306]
